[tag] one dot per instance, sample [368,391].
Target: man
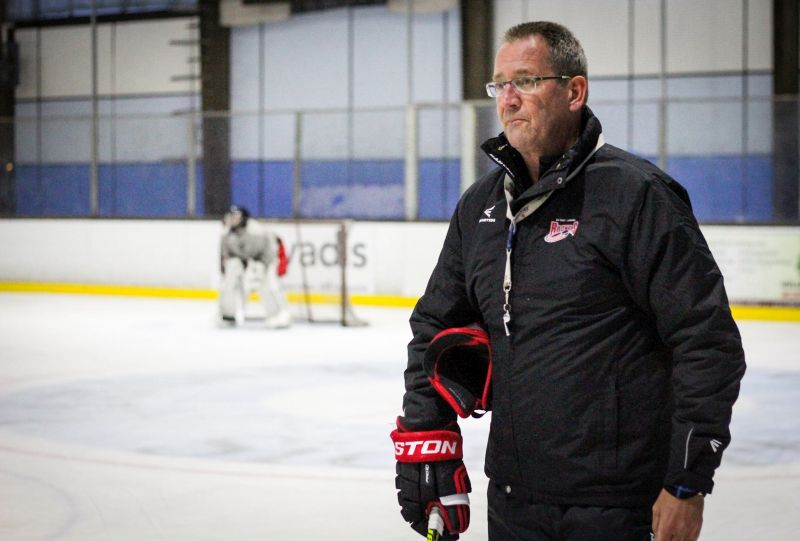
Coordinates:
[615,361]
[249,262]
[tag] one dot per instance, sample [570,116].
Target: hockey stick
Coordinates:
[435,525]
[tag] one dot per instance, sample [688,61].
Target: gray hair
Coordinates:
[566,54]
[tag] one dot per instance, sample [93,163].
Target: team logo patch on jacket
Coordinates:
[561,229]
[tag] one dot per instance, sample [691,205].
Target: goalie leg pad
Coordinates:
[231,293]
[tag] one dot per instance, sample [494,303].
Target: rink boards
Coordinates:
[387,263]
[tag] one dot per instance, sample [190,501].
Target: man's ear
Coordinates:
[578,88]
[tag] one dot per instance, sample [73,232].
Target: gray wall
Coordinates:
[141,86]
[335,60]
[342,59]
[718,54]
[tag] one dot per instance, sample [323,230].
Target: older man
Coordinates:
[614,358]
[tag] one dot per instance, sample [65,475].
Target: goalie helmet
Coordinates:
[458,363]
[236,217]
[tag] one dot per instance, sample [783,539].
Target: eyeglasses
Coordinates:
[523,85]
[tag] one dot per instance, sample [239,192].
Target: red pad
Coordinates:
[283,260]
[428,446]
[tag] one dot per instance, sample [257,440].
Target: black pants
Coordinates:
[514,518]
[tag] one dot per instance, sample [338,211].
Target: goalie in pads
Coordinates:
[251,259]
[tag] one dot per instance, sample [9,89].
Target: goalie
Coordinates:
[251,259]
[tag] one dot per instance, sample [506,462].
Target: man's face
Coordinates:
[535,124]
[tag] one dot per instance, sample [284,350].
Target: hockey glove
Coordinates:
[458,362]
[430,473]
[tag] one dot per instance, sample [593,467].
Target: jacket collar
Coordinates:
[557,168]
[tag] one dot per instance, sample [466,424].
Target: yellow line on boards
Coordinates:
[760,313]
[766,313]
[86,289]
[393,301]
[168,292]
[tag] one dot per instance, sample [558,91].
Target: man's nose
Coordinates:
[508,96]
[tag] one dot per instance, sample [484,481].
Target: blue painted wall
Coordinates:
[126,190]
[726,188]
[147,190]
[722,188]
[52,190]
[264,188]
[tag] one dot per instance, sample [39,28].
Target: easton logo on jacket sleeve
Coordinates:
[488,213]
[561,229]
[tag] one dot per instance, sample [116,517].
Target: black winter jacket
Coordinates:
[623,360]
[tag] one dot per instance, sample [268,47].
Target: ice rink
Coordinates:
[140,419]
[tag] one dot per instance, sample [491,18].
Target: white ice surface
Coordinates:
[127,418]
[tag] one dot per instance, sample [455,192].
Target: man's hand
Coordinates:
[677,520]
[430,472]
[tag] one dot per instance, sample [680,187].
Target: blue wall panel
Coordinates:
[245,179]
[439,188]
[358,172]
[726,189]
[722,188]
[277,200]
[199,208]
[267,181]
[143,189]
[353,189]
[52,190]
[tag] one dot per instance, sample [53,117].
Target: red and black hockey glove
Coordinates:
[430,473]
[458,362]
